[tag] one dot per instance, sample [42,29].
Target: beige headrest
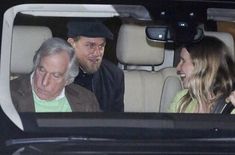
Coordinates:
[133,47]
[227,38]
[25,41]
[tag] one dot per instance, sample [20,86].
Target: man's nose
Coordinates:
[97,51]
[46,79]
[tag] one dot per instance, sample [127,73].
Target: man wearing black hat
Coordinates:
[105,79]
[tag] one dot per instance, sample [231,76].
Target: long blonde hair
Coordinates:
[213,73]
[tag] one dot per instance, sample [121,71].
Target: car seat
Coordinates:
[227,38]
[19,44]
[25,41]
[147,89]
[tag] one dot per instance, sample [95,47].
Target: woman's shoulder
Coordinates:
[181,93]
[176,101]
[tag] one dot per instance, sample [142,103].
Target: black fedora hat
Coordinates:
[88,28]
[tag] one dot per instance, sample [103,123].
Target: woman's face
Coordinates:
[185,67]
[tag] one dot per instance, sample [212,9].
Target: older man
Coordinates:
[48,88]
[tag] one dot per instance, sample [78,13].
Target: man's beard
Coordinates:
[90,68]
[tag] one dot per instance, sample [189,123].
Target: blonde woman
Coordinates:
[207,72]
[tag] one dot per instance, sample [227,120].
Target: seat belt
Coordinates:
[222,107]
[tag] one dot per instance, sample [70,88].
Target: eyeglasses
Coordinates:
[93,46]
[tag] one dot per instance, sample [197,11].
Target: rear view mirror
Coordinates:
[180,35]
[158,33]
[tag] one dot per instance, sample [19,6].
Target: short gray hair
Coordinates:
[54,46]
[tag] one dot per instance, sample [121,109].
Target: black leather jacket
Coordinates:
[107,84]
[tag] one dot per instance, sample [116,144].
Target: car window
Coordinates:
[129,34]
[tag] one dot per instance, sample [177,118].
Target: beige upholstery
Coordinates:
[26,40]
[227,38]
[133,48]
[145,90]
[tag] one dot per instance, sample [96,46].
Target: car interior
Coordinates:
[151,78]
[149,65]
[154,89]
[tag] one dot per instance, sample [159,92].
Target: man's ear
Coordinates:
[71,41]
[67,82]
